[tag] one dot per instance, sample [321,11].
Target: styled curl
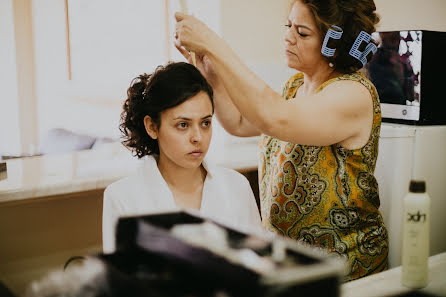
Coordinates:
[353,16]
[150,94]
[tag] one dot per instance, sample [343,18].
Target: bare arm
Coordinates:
[230,117]
[338,113]
[227,113]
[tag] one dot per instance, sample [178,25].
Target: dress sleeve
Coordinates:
[110,215]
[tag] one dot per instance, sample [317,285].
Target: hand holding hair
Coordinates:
[192,34]
[184,10]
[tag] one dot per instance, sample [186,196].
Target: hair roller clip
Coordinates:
[362,56]
[326,51]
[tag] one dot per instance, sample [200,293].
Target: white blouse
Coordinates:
[226,198]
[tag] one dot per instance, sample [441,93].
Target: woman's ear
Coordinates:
[150,126]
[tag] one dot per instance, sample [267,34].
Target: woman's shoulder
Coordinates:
[352,77]
[134,181]
[356,76]
[223,172]
[115,189]
[292,84]
[294,80]
[228,176]
[355,83]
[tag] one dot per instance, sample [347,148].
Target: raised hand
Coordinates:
[193,34]
[203,63]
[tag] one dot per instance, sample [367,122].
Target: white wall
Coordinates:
[9,110]
[24,40]
[18,118]
[255,29]
[412,14]
[111,42]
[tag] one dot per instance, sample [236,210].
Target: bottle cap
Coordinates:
[417,186]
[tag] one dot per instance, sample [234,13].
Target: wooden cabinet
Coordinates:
[41,234]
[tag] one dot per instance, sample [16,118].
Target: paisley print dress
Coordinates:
[326,196]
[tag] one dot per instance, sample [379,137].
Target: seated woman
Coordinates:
[167,118]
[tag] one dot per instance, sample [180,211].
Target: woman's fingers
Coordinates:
[179,16]
[178,34]
[190,33]
[183,51]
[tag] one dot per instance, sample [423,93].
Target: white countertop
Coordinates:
[80,171]
[388,283]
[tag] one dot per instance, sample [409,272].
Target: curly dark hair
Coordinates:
[150,94]
[353,16]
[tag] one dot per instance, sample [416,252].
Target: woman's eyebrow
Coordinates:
[182,118]
[188,119]
[297,26]
[302,26]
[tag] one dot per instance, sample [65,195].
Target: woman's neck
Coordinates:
[180,178]
[186,184]
[313,80]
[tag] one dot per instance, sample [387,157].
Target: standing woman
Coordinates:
[319,140]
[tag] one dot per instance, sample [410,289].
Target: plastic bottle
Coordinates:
[416,226]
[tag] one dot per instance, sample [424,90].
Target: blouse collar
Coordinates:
[150,168]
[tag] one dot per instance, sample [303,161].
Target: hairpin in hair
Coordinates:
[326,51]
[362,56]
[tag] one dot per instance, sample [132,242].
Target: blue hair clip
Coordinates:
[362,56]
[326,51]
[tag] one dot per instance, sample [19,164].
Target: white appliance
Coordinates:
[407,152]
[404,70]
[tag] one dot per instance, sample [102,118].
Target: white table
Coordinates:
[388,283]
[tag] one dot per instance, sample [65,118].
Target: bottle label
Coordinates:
[416,217]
